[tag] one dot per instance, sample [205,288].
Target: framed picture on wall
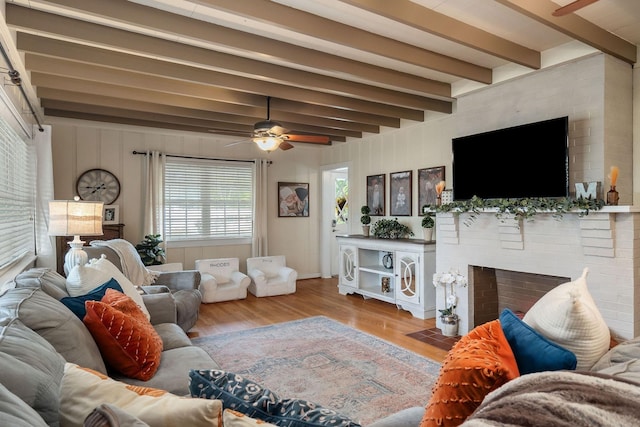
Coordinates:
[111,214]
[400,200]
[293,199]
[427,180]
[376,194]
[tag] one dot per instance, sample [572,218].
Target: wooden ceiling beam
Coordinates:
[325,29]
[60,26]
[61,67]
[33,20]
[124,61]
[438,24]
[575,27]
[142,115]
[246,130]
[45,81]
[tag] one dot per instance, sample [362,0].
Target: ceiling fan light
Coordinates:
[268,143]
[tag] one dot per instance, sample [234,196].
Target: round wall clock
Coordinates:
[98,185]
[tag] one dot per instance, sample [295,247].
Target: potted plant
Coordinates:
[150,251]
[448,316]
[365,219]
[427,226]
[391,229]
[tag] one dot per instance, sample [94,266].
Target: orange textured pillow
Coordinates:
[126,339]
[479,363]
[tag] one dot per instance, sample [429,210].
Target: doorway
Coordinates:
[335,215]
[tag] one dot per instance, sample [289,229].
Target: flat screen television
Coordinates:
[529,160]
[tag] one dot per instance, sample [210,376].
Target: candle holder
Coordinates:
[612,196]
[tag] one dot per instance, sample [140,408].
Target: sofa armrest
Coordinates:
[179,280]
[172,266]
[161,304]
[410,417]
[288,274]
[208,282]
[241,279]
[257,276]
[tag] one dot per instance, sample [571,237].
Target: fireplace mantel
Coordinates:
[603,240]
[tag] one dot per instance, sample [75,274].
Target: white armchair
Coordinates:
[221,280]
[271,276]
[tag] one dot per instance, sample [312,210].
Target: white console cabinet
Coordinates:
[396,271]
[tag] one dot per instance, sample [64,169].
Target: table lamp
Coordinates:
[75,218]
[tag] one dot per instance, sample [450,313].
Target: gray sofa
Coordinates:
[38,334]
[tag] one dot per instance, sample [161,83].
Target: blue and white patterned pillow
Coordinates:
[249,398]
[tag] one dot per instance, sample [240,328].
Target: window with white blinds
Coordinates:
[17,196]
[205,199]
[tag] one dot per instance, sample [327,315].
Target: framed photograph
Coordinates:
[427,180]
[400,200]
[376,195]
[293,199]
[111,214]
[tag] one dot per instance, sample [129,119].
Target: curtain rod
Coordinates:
[16,80]
[203,158]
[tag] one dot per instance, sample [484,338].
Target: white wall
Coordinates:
[80,145]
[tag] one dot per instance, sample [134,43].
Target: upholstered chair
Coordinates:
[271,276]
[182,284]
[221,280]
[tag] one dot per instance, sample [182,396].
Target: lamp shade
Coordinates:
[75,218]
[268,143]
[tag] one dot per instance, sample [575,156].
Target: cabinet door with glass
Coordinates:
[408,277]
[348,266]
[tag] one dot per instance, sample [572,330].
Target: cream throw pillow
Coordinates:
[82,390]
[568,316]
[233,418]
[84,278]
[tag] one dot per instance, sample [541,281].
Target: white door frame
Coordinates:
[327,215]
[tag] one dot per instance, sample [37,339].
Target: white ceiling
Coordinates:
[337,68]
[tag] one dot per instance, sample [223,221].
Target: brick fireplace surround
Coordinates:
[511,266]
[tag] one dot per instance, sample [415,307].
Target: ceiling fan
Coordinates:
[572,7]
[270,135]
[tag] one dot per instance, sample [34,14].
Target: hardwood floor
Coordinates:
[315,297]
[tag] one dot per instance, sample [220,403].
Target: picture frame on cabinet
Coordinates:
[111,214]
[400,194]
[427,180]
[376,194]
[293,199]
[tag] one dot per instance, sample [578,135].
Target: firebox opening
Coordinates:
[495,289]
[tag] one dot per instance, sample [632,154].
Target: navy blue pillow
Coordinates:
[534,352]
[76,304]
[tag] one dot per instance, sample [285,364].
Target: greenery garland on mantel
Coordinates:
[520,209]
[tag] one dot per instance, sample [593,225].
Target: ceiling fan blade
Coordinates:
[572,7]
[284,145]
[242,141]
[315,139]
[278,130]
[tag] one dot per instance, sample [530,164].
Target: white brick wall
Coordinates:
[601,241]
[595,93]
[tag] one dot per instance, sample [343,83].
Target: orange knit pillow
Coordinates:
[126,339]
[479,363]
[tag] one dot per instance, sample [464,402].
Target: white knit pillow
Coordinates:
[106,267]
[84,278]
[568,316]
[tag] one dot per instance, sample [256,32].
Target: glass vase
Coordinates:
[612,196]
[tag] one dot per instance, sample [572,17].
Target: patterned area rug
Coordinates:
[326,362]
